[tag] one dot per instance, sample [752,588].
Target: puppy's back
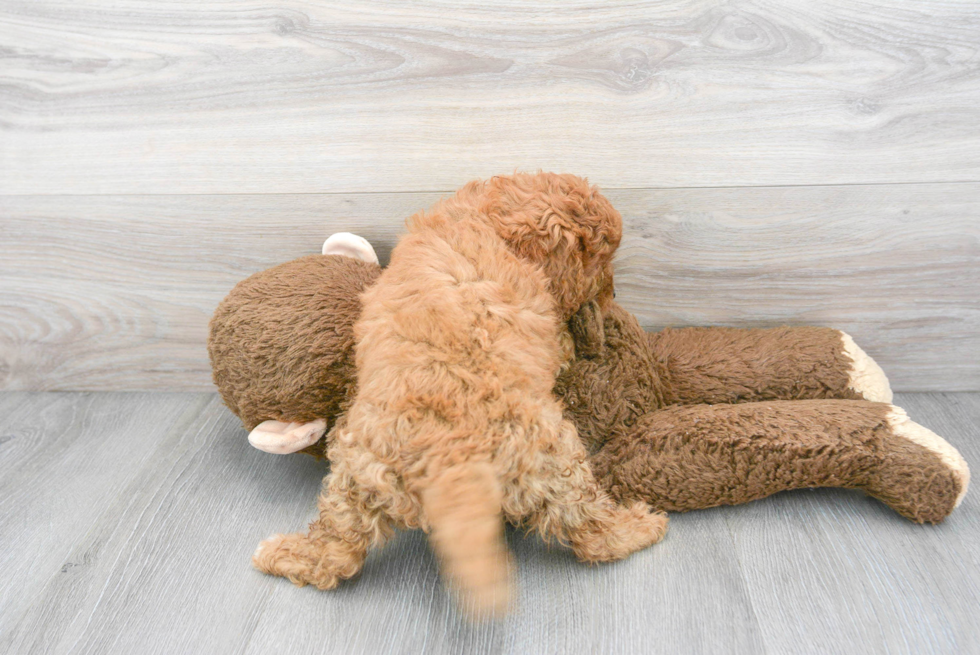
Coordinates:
[455,298]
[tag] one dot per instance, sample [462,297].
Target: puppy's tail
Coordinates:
[463,509]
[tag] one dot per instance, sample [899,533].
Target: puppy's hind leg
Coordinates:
[337,542]
[577,511]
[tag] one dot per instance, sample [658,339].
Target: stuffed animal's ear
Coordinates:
[350,245]
[281,438]
[587,331]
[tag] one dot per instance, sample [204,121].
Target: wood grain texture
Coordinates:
[898,268]
[65,458]
[228,97]
[115,292]
[142,545]
[155,571]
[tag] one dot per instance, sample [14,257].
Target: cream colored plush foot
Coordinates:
[350,245]
[283,438]
[903,427]
[866,377]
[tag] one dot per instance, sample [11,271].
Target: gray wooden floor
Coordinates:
[128,520]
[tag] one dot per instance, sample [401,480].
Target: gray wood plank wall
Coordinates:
[775,162]
[224,97]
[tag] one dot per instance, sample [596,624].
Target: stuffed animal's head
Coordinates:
[281,345]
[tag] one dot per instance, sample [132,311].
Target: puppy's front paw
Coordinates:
[294,557]
[865,376]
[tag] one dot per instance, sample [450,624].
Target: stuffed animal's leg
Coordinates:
[337,542]
[574,509]
[691,457]
[728,365]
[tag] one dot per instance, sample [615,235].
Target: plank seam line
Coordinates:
[428,191]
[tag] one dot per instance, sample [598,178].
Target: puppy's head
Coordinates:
[562,224]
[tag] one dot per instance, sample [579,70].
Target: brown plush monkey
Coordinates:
[682,419]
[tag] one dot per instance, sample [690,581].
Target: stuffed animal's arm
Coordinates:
[729,365]
[696,456]
[282,438]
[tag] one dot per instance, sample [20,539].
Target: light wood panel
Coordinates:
[64,459]
[140,96]
[153,571]
[134,516]
[115,292]
[898,268]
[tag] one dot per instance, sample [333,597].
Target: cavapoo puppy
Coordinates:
[454,426]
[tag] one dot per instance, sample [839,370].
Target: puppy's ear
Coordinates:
[587,330]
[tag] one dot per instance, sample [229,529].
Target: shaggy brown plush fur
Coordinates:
[751,365]
[292,327]
[454,423]
[690,457]
[624,388]
[621,372]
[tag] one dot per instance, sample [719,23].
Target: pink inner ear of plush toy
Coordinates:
[350,245]
[281,438]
